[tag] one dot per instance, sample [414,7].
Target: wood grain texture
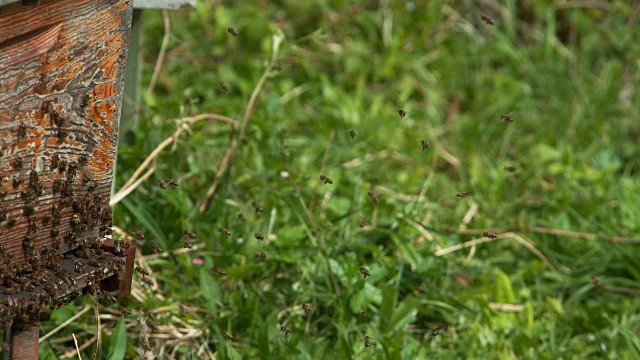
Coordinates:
[61,76]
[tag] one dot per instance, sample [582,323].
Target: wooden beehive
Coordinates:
[61,76]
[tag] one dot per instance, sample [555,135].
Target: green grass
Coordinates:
[569,78]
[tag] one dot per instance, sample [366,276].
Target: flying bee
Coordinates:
[425,145]
[439,329]
[223,87]
[242,217]
[373,197]
[402,113]
[189,234]
[139,234]
[507,118]
[232,31]
[151,325]
[365,272]
[353,133]
[490,235]
[227,336]
[463,194]
[22,130]
[261,255]
[421,290]
[147,281]
[256,206]
[219,271]
[123,311]
[155,248]
[509,168]
[285,330]
[306,308]
[326,179]
[172,183]
[224,232]
[487,20]
[595,281]
[363,222]
[259,236]
[367,341]
[142,272]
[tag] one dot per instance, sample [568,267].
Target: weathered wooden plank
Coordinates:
[61,76]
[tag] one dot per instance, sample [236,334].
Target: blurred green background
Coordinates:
[567,73]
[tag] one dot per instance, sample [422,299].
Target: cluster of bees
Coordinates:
[57,207]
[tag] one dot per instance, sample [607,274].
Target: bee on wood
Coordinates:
[155,248]
[232,31]
[223,87]
[17,163]
[142,272]
[463,194]
[22,130]
[326,179]
[242,217]
[28,210]
[509,168]
[16,182]
[227,336]
[285,330]
[261,255]
[490,235]
[219,271]
[306,308]
[353,133]
[402,113]
[421,290]
[506,118]
[439,329]
[373,197]
[487,20]
[365,272]
[62,165]
[85,100]
[83,160]
[224,231]
[256,207]
[595,281]
[139,234]
[259,236]
[62,134]
[425,145]
[367,341]
[55,159]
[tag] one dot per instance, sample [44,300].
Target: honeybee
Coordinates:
[219,271]
[353,133]
[507,118]
[509,168]
[402,113]
[439,329]
[256,206]
[151,325]
[227,336]
[373,197]
[172,183]
[17,163]
[285,330]
[139,234]
[463,194]
[490,235]
[421,290]
[242,217]
[123,310]
[141,271]
[232,31]
[595,281]
[223,87]
[363,222]
[259,236]
[155,248]
[261,255]
[189,234]
[306,308]
[425,145]
[365,272]
[367,341]
[224,232]
[22,130]
[487,19]
[326,179]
